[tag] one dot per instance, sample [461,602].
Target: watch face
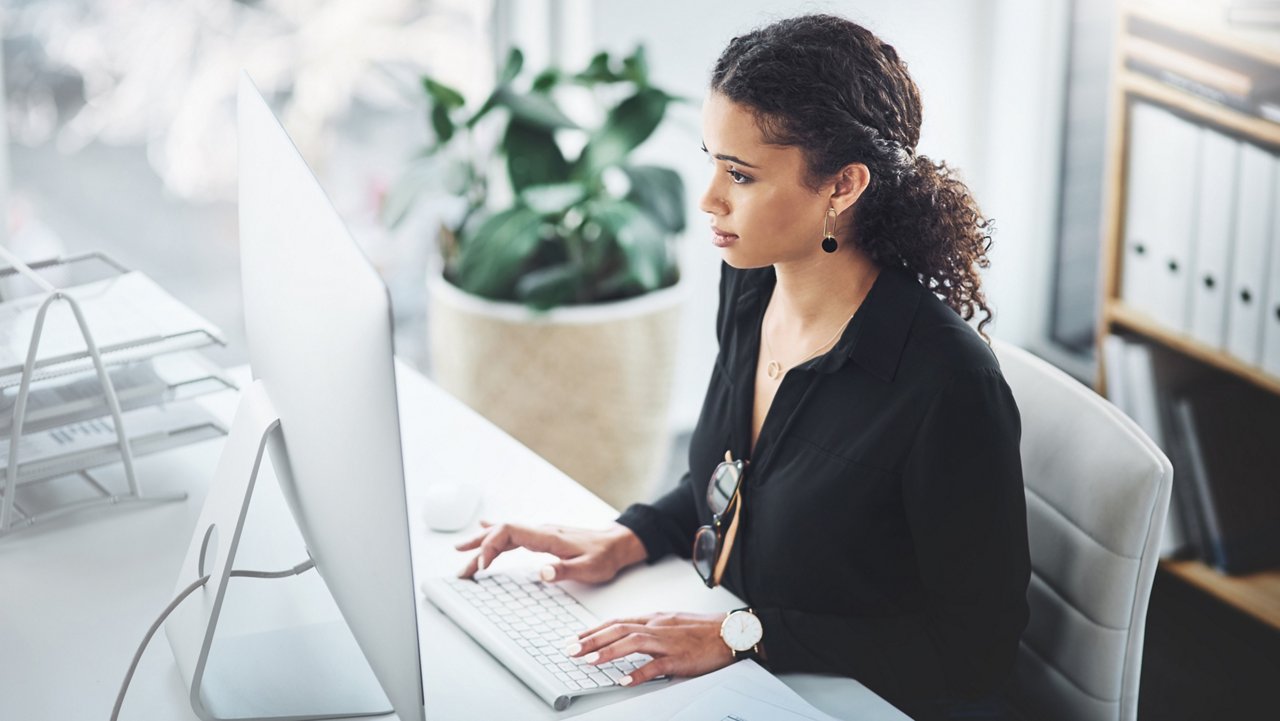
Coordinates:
[741,630]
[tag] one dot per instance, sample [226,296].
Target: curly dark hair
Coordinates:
[833,89]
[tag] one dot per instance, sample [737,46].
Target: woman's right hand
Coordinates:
[589,556]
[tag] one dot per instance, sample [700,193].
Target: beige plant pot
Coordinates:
[587,388]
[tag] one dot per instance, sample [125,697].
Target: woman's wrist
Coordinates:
[626,546]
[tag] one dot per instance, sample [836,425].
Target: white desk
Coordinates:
[76,596]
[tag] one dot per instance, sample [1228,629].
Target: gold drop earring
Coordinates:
[829,231]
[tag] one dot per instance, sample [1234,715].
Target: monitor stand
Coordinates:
[306,672]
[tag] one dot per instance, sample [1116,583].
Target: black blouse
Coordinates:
[883,533]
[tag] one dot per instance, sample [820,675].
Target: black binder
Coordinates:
[1231,434]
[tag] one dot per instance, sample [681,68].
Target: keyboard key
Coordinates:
[613,673]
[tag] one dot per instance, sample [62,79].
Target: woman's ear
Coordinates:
[849,186]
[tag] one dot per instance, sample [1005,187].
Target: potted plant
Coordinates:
[555,308]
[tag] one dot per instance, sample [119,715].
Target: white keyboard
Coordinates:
[526,624]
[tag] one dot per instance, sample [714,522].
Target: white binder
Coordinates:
[1211,253]
[1271,311]
[1143,395]
[1249,253]
[1113,356]
[1159,214]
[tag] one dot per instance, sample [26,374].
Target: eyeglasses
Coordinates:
[722,494]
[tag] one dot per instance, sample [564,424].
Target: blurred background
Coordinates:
[122,137]
[120,122]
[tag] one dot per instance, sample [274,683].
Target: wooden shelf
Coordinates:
[1257,594]
[1206,22]
[1257,129]
[1123,315]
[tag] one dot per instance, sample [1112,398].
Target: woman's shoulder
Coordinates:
[943,345]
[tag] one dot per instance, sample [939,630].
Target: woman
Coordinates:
[877,527]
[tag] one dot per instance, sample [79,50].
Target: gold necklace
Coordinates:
[774,368]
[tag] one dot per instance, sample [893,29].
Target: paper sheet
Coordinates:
[726,703]
[742,690]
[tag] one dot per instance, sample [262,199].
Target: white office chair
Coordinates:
[1097,494]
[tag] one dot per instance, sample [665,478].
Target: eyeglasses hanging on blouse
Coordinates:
[712,543]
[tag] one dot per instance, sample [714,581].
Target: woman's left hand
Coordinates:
[681,644]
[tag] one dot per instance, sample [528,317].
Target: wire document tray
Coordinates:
[97,367]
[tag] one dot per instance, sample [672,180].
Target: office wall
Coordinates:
[990,73]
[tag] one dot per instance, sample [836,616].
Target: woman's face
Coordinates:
[761,211]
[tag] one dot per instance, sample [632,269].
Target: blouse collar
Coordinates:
[876,336]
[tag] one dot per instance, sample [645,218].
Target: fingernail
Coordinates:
[573,649]
[480,563]
[592,657]
[624,681]
[548,573]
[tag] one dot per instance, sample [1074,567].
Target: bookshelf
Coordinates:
[1198,28]
[1257,594]
[1121,315]
[1136,85]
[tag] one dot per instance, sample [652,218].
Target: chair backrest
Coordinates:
[1097,494]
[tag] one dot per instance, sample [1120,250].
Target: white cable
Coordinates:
[133,666]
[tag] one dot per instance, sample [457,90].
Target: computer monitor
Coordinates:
[319,326]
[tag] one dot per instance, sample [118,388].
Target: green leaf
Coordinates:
[502,92]
[546,80]
[533,157]
[443,94]
[510,69]
[492,258]
[636,67]
[618,284]
[660,193]
[551,286]
[489,103]
[627,125]
[597,71]
[533,108]
[441,123]
[641,239]
[552,198]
